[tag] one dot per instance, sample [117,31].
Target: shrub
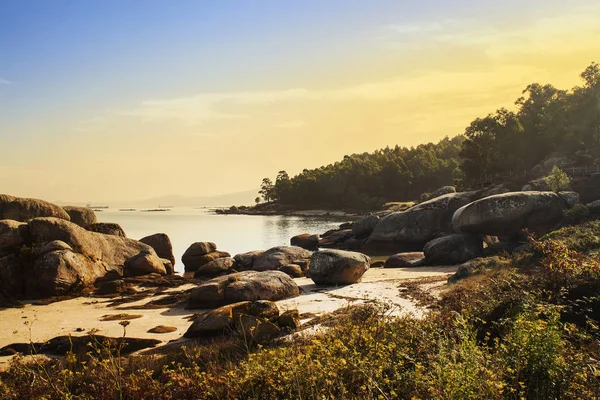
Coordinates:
[558,180]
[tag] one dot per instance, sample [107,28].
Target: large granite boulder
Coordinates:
[220,266]
[508,213]
[82,216]
[201,253]
[144,263]
[161,244]
[453,249]
[277,257]
[244,286]
[108,228]
[442,191]
[405,260]
[337,267]
[23,209]
[423,222]
[13,234]
[306,241]
[245,261]
[364,226]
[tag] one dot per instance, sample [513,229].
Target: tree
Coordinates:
[558,180]
[267,190]
[257,200]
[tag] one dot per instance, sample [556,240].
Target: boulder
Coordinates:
[423,222]
[220,266]
[11,275]
[306,241]
[13,235]
[113,251]
[293,270]
[254,328]
[168,266]
[23,209]
[289,319]
[364,226]
[594,206]
[442,191]
[453,249]
[405,260]
[50,246]
[144,263]
[571,198]
[115,287]
[108,228]
[277,257]
[264,309]
[337,267]
[245,261]
[161,244]
[193,263]
[244,286]
[217,321]
[62,272]
[82,216]
[490,191]
[335,237]
[508,213]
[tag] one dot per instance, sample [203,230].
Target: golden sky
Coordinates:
[219,119]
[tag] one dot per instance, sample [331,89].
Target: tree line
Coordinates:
[547,122]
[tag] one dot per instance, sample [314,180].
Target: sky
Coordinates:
[132,99]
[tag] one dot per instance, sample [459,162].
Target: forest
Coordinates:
[545,122]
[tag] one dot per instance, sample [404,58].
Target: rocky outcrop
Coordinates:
[337,267]
[405,260]
[220,266]
[293,270]
[243,286]
[24,209]
[82,216]
[442,191]
[108,228]
[13,235]
[423,222]
[507,214]
[199,254]
[144,263]
[306,241]
[335,238]
[277,257]
[364,226]
[161,244]
[245,261]
[453,249]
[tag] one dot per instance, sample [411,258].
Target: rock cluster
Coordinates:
[201,253]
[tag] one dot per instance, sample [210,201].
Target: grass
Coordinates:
[523,328]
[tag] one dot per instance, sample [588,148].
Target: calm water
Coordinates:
[231,233]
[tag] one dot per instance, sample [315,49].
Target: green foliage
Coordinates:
[558,180]
[547,122]
[369,180]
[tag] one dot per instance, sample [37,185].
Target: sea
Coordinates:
[231,233]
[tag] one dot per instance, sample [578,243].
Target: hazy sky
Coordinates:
[123,99]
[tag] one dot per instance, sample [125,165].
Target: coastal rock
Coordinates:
[108,228]
[453,249]
[220,266]
[51,246]
[144,263]
[364,226]
[277,257]
[245,261]
[13,234]
[115,287]
[442,191]
[421,223]
[11,275]
[306,241]
[293,270]
[244,286]
[193,263]
[257,329]
[289,319]
[335,237]
[24,209]
[508,213]
[337,267]
[161,244]
[264,309]
[111,250]
[571,198]
[82,216]
[405,260]
[168,266]
[217,321]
